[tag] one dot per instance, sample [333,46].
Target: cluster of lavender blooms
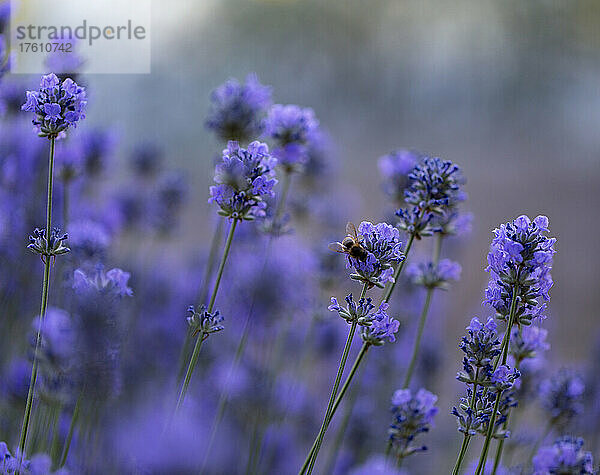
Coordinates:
[431,276]
[377,326]
[56,106]
[203,322]
[484,381]
[243,179]
[412,414]
[432,198]
[566,456]
[384,249]
[292,129]
[519,263]
[237,109]
[561,396]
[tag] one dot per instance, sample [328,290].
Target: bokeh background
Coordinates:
[508,90]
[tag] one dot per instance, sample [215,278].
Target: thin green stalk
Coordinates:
[341,432]
[311,457]
[361,354]
[55,444]
[201,296]
[201,336]
[74,418]
[500,449]
[417,345]
[461,455]
[437,247]
[467,437]
[503,356]
[44,304]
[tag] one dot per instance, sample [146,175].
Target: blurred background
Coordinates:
[509,91]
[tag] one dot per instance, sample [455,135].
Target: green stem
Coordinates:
[336,384]
[311,458]
[54,446]
[201,336]
[341,432]
[74,418]
[202,295]
[461,454]
[503,357]
[437,248]
[44,304]
[363,351]
[417,345]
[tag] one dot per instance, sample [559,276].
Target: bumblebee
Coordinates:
[351,244]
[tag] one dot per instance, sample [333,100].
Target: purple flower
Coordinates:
[88,239]
[435,185]
[565,456]
[52,111]
[504,377]
[561,396]
[430,276]
[382,327]
[112,282]
[360,312]
[201,321]
[56,106]
[49,83]
[237,110]
[243,179]
[527,342]
[383,246]
[520,257]
[292,128]
[32,101]
[481,346]
[412,414]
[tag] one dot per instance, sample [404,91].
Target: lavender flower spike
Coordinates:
[565,456]
[236,109]
[243,179]
[383,249]
[520,259]
[56,106]
[411,416]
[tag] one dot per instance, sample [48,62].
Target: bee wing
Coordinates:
[337,247]
[351,230]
